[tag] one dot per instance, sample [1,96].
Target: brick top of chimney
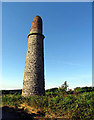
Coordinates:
[36,25]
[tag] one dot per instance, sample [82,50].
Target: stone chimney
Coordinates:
[33,83]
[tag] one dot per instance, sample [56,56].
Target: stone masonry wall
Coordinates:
[33,83]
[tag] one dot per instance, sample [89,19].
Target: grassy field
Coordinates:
[57,103]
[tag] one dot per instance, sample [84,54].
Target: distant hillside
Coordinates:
[77,89]
[11,91]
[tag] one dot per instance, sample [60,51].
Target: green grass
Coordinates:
[58,102]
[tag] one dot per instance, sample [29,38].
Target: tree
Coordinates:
[64,86]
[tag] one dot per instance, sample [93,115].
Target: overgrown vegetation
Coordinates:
[57,102]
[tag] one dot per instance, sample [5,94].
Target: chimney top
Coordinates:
[36,25]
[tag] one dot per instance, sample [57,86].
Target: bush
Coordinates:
[58,102]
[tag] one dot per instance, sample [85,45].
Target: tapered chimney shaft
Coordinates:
[33,83]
